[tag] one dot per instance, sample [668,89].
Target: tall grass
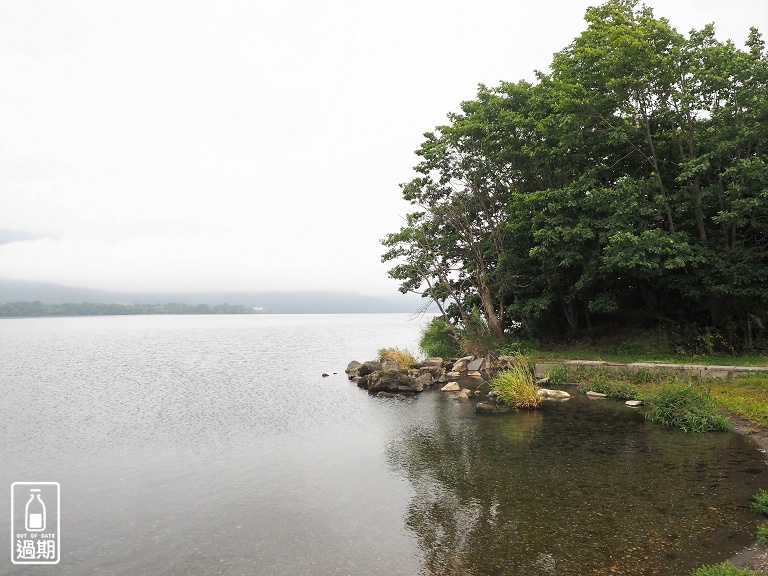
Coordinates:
[404,358]
[516,386]
[437,340]
[687,408]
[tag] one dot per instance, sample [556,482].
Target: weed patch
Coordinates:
[516,386]
[687,408]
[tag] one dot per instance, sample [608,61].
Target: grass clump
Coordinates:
[516,386]
[617,389]
[559,374]
[687,408]
[404,358]
[724,569]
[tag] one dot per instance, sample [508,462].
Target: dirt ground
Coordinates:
[755,556]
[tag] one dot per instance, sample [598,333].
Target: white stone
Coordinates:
[592,394]
[546,393]
[634,403]
[451,387]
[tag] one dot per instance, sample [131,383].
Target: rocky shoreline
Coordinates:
[386,379]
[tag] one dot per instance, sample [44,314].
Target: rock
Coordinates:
[393,382]
[475,374]
[484,408]
[476,365]
[353,369]
[478,392]
[542,382]
[390,366]
[425,380]
[324,375]
[453,375]
[450,387]
[356,379]
[461,364]
[384,394]
[369,368]
[555,394]
[592,394]
[435,362]
[634,403]
[493,394]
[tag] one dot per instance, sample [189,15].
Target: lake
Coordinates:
[213,445]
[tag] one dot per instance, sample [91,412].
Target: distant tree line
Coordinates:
[629,182]
[37,308]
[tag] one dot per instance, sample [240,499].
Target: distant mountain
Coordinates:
[272,302]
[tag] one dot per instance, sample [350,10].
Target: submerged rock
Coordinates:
[485,408]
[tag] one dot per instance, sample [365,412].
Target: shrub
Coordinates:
[762,533]
[404,358]
[516,386]
[760,502]
[687,408]
[438,340]
[724,569]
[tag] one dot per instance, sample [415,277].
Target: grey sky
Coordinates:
[171,145]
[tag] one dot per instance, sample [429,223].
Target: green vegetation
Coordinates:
[516,386]
[724,569]
[744,396]
[760,502]
[618,390]
[39,309]
[439,339]
[687,408]
[762,533]
[627,187]
[404,358]
[559,374]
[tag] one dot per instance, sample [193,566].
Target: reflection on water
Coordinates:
[582,487]
[212,445]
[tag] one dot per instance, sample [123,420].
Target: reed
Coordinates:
[516,386]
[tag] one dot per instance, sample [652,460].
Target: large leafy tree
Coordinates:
[633,176]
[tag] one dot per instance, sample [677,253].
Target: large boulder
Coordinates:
[393,381]
[369,368]
[461,364]
[425,380]
[390,366]
[451,387]
[353,369]
[476,365]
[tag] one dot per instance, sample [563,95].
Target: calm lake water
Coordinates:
[212,445]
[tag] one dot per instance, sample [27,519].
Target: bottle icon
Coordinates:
[34,513]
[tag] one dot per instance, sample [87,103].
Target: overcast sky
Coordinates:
[247,145]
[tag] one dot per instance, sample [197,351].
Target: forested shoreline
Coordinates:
[41,309]
[627,185]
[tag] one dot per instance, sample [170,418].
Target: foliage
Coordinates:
[760,502]
[762,533]
[630,181]
[516,386]
[476,338]
[40,309]
[614,389]
[559,374]
[437,339]
[687,408]
[724,569]
[404,358]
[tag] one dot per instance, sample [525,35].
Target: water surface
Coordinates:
[213,445]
